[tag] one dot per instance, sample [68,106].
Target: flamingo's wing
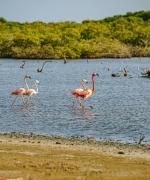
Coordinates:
[86,93]
[77,92]
[29,92]
[18,92]
[82,93]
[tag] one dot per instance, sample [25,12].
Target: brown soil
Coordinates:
[29,157]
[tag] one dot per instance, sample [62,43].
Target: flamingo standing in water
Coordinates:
[25,91]
[80,89]
[20,92]
[84,93]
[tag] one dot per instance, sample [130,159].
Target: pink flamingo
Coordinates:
[80,89]
[20,92]
[84,93]
[25,91]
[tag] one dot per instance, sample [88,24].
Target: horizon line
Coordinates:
[72,21]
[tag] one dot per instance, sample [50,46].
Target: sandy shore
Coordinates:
[30,157]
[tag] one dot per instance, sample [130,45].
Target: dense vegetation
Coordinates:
[118,36]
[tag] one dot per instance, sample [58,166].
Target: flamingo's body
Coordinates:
[24,92]
[19,92]
[30,92]
[78,91]
[84,93]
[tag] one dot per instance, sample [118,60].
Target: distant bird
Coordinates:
[125,72]
[65,60]
[40,70]
[116,74]
[22,65]
[146,73]
[84,93]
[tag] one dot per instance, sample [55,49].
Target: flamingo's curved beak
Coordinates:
[95,74]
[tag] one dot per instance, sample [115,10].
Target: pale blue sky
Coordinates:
[67,10]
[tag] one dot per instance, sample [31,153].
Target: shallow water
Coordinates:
[120,105]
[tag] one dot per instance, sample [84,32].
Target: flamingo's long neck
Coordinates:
[93,87]
[36,86]
[26,83]
[83,85]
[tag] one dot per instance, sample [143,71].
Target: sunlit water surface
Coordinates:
[121,105]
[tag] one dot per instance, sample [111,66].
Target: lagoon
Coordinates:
[120,105]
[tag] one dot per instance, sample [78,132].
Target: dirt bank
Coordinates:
[30,157]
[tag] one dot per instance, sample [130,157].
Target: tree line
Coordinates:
[121,36]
